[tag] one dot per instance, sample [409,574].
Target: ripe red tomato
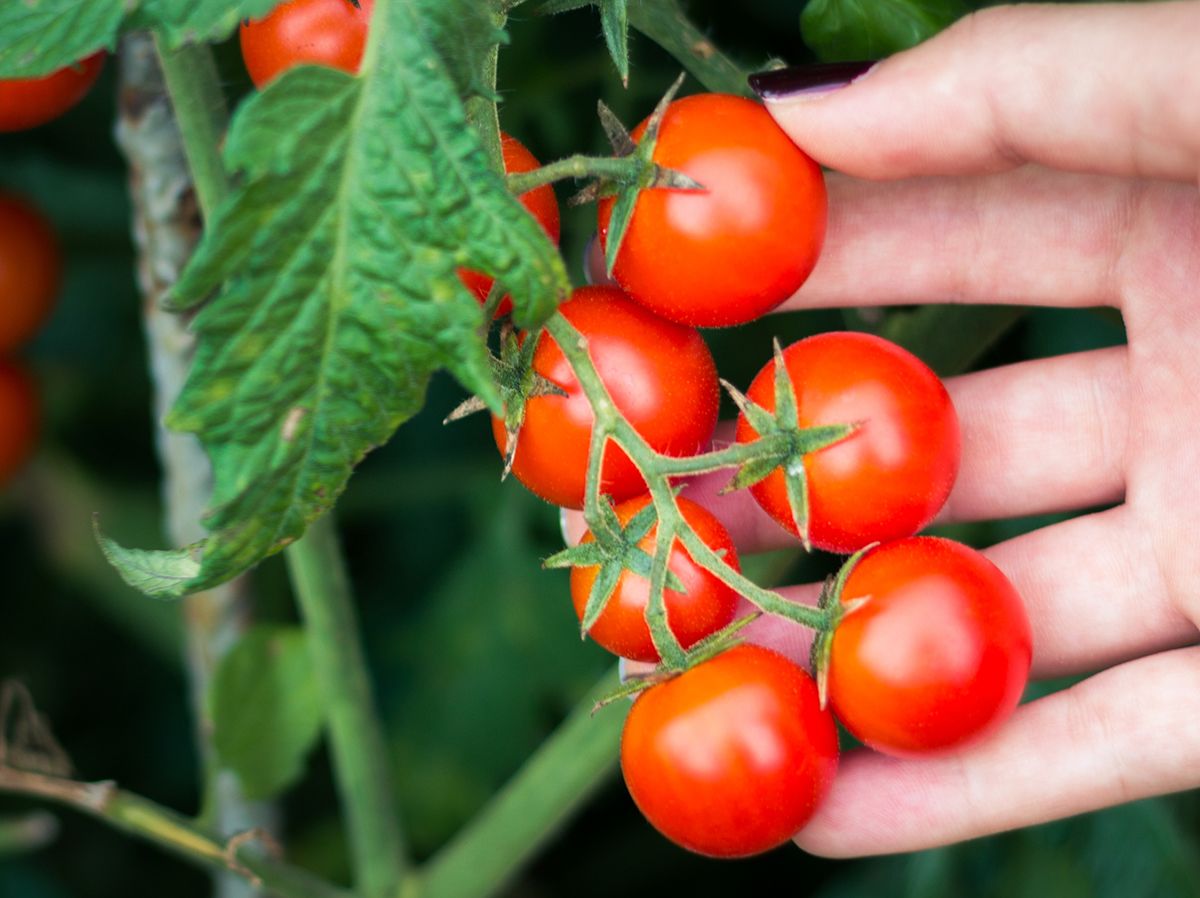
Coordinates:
[30,271]
[732,757]
[704,607]
[660,375]
[306,32]
[890,477]
[735,251]
[18,419]
[938,654]
[540,203]
[29,102]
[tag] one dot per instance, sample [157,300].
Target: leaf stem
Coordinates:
[192,82]
[559,778]
[149,821]
[356,738]
[665,23]
[576,166]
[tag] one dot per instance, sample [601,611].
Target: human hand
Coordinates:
[1041,156]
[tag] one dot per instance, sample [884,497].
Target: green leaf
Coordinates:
[614,19]
[39,36]
[158,574]
[950,338]
[839,30]
[335,265]
[463,32]
[193,21]
[266,709]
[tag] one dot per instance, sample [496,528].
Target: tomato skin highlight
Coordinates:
[660,375]
[332,33]
[731,758]
[938,655]
[704,607]
[19,419]
[30,271]
[737,250]
[29,102]
[890,477]
[540,202]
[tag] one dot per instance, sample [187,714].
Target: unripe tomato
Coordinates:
[332,33]
[938,654]
[18,419]
[732,757]
[891,476]
[540,203]
[660,375]
[736,250]
[704,607]
[29,102]
[30,271]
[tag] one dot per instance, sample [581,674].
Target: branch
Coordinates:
[143,818]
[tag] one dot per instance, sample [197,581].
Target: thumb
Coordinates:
[1096,88]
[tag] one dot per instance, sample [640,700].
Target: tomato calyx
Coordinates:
[834,610]
[516,379]
[614,549]
[645,175]
[705,650]
[784,444]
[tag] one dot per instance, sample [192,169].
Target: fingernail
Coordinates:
[801,80]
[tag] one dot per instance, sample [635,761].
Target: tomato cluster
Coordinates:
[923,644]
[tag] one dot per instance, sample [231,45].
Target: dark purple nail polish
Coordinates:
[806,79]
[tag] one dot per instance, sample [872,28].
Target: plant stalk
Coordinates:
[559,778]
[356,738]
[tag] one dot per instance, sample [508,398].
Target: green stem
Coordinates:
[560,777]
[665,23]
[191,76]
[155,824]
[356,738]
[578,166]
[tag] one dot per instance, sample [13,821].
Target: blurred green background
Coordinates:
[474,649]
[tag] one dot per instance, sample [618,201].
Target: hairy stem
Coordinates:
[560,777]
[577,166]
[665,23]
[355,735]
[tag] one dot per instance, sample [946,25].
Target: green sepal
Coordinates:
[603,588]
[795,480]
[836,610]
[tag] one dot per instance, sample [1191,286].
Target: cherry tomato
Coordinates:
[18,419]
[29,102]
[306,32]
[30,271]
[890,477]
[732,757]
[738,249]
[660,375]
[704,607]
[540,203]
[937,655]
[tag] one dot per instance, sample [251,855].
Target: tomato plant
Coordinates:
[18,418]
[540,203]
[732,252]
[306,32]
[732,757]
[704,606]
[30,271]
[660,375]
[938,653]
[29,102]
[893,473]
